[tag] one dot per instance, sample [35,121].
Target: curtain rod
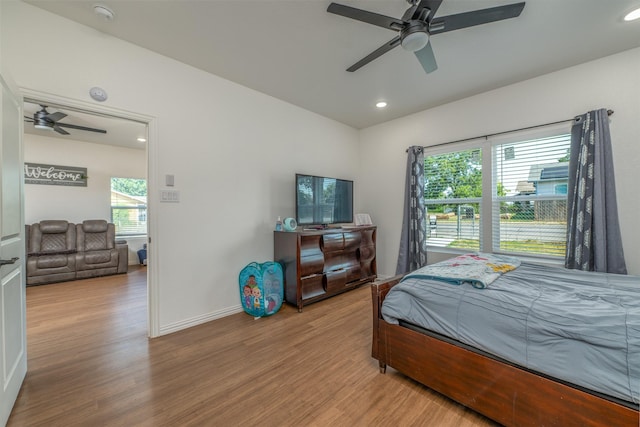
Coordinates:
[609,113]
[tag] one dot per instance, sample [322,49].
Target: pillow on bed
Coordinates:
[477,269]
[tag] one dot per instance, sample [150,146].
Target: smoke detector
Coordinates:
[98,94]
[103,12]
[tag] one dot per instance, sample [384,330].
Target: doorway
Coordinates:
[95,136]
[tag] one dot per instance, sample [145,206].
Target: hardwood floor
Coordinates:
[90,363]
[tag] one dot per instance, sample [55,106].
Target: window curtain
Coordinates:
[343,201]
[413,250]
[593,232]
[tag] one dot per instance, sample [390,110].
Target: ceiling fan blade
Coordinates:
[66,125]
[376,53]
[365,16]
[28,119]
[54,117]
[432,5]
[427,58]
[408,14]
[60,130]
[477,17]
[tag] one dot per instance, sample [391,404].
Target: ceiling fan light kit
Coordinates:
[418,24]
[415,40]
[42,126]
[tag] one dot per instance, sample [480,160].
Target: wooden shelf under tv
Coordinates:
[319,264]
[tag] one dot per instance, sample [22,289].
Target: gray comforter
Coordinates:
[583,328]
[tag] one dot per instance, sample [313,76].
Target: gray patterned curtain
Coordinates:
[593,231]
[413,250]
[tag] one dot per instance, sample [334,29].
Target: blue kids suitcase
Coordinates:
[261,288]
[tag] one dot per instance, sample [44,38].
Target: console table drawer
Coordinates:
[332,242]
[352,240]
[334,281]
[313,264]
[312,286]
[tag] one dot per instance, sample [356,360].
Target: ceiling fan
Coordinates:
[50,121]
[418,23]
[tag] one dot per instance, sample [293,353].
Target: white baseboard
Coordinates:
[198,320]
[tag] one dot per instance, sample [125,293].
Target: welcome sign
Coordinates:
[37,173]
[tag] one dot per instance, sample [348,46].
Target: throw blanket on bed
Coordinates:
[478,269]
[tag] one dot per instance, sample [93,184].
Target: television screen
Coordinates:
[322,200]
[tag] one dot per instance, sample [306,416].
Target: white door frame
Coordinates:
[153,324]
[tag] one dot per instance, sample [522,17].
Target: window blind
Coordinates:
[530,196]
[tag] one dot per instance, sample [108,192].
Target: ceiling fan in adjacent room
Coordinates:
[44,120]
[418,23]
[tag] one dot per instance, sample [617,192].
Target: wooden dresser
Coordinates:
[320,264]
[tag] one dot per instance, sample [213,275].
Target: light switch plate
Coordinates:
[169,196]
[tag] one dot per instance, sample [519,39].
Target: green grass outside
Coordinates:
[511,220]
[523,246]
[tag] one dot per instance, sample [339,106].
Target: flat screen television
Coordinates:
[322,200]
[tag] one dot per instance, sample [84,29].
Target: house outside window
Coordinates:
[504,194]
[129,206]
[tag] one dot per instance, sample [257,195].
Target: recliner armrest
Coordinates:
[123,256]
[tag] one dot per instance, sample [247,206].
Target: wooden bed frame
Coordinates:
[503,392]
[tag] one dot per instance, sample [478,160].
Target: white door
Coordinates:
[13,337]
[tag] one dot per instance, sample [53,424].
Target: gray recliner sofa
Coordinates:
[98,254]
[51,252]
[58,251]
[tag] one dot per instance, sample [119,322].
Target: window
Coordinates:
[453,197]
[129,206]
[530,194]
[525,211]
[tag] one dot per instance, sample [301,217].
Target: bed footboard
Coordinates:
[378,292]
[503,392]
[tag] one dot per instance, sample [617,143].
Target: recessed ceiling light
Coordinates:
[381,104]
[103,12]
[633,15]
[141,139]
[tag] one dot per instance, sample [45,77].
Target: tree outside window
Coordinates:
[129,206]
[453,197]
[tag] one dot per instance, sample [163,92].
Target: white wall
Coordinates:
[234,153]
[75,204]
[610,82]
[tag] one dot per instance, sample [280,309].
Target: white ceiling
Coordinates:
[120,132]
[297,52]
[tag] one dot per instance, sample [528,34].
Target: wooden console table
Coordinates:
[323,263]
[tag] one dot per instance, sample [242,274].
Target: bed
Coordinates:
[519,348]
